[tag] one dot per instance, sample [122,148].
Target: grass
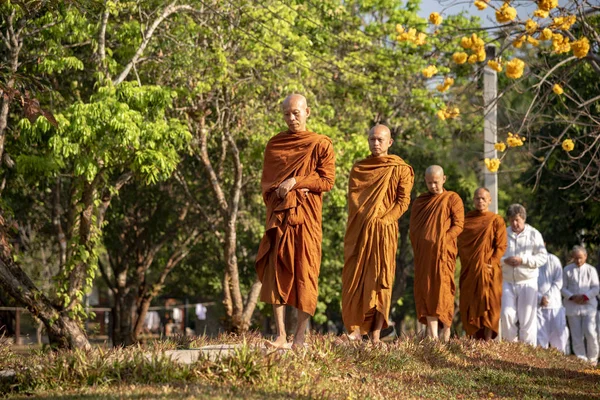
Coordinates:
[409,368]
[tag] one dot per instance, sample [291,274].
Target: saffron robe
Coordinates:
[378,194]
[289,255]
[480,248]
[435,223]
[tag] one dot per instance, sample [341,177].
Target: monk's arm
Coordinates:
[323,178]
[405,185]
[539,255]
[500,241]
[457,215]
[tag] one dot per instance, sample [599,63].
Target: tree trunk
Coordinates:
[123,319]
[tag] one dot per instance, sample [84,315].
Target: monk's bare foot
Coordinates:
[299,346]
[279,343]
[346,339]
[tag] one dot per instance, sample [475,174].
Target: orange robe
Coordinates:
[480,247]
[289,255]
[378,194]
[435,223]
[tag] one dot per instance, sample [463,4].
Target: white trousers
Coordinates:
[584,335]
[519,312]
[552,328]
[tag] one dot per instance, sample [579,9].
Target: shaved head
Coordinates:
[380,140]
[380,129]
[295,112]
[482,199]
[435,179]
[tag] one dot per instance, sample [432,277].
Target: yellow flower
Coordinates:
[446,85]
[399,29]
[481,55]
[546,34]
[407,36]
[547,5]
[541,13]
[476,42]
[557,89]
[514,68]
[465,42]
[560,44]
[495,65]
[459,57]
[472,59]
[530,26]
[429,71]
[514,140]
[481,5]
[500,146]
[492,164]
[581,47]
[441,114]
[506,13]
[518,42]
[435,18]
[568,145]
[533,41]
[564,23]
[420,39]
[448,113]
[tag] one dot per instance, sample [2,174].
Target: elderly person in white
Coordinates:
[580,288]
[552,323]
[525,254]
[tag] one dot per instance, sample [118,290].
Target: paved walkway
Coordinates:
[212,353]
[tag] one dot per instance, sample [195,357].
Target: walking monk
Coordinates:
[436,220]
[481,245]
[299,166]
[378,194]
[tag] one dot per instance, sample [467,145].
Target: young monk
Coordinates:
[378,194]
[480,247]
[299,166]
[436,220]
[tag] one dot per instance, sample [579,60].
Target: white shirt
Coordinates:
[201,311]
[550,282]
[580,280]
[529,245]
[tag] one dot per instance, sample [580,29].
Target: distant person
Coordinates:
[481,245]
[580,288]
[378,195]
[525,254]
[436,220]
[552,323]
[299,166]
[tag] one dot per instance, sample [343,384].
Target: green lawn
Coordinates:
[409,368]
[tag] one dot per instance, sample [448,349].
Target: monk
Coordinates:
[299,166]
[436,220]
[481,245]
[378,194]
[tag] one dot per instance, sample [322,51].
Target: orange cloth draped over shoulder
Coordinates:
[435,223]
[480,247]
[378,194]
[289,255]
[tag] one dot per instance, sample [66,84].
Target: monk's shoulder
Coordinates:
[323,140]
[454,197]
[276,138]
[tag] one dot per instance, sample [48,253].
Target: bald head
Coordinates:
[482,199]
[380,140]
[435,179]
[295,112]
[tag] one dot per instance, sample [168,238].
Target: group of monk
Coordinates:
[299,166]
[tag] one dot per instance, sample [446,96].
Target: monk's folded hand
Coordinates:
[304,192]
[285,187]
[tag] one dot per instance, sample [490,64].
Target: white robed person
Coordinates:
[580,288]
[525,254]
[551,319]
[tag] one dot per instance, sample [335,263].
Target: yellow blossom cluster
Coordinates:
[446,85]
[557,89]
[448,113]
[514,140]
[518,42]
[560,44]
[514,68]
[564,23]
[411,36]
[492,164]
[530,26]
[541,13]
[506,13]
[495,65]
[460,57]
[547,5]
[500,146]
[476,45]
[581,47]
[430,71]
[533,41]
[481,4]
[435,18]
[546,34]
[568,145]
